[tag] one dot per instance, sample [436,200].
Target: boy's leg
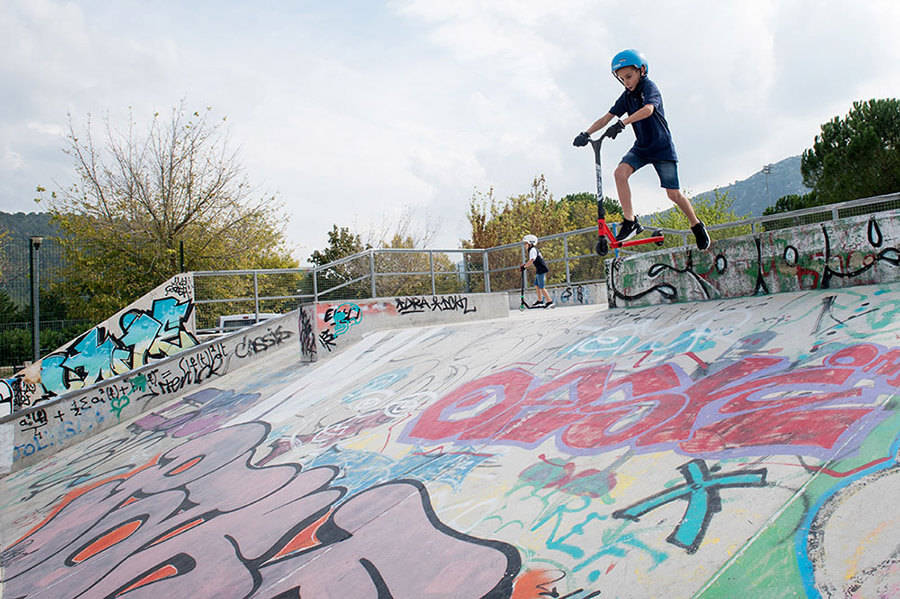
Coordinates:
[621,174]
[538,288]
[697,226]
[629,164]
[545,297]
[668,178]
[684,204]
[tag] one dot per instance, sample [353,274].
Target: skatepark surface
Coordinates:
[728,448]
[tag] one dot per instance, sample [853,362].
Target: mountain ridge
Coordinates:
[750,195]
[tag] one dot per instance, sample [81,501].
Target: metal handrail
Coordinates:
[484,270]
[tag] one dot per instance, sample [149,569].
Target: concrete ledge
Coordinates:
[576,294]
[853,251]
[328,327]
[32,434]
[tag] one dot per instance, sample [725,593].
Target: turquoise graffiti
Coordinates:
[344,317]
[99,354]
[701,491]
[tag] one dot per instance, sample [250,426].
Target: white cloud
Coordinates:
[12,160]
[353,111]
[46,128]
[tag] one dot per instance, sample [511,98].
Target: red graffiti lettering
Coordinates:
[757,402]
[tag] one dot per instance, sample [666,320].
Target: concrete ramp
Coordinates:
[731,448]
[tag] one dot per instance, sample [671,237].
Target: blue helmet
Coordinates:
[630,58]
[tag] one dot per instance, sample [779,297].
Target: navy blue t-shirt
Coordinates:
[653,138]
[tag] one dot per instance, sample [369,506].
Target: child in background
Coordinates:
[653,144]
[540,269]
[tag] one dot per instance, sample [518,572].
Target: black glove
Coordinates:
[615,129]
[581,139]
[522,268]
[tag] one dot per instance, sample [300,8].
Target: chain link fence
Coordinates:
[16,337]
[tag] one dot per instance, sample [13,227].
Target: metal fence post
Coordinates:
[256,295]
[34,244]
[431,261]
[566,257]
[315,284]
[487,272]
[372,270]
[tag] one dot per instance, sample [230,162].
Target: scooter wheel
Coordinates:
[658,233]
[602,246]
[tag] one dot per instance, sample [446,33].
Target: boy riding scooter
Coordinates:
[643,103]
[533,257]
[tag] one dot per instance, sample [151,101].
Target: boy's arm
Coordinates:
[639,115]
[601,123]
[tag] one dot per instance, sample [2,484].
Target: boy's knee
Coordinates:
[623,171]
[675,195]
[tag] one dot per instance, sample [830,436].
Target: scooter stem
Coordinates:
[595,144]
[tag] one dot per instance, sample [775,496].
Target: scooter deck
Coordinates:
[614,245]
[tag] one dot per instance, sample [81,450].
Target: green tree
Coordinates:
[857,156]
[792,202]
[342,242]
[413,269]
[9,311]
[582,210]
[142,193]
[717,209]
[346,278]
[4,261]
[493,222]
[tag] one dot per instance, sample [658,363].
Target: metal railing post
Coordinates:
[566,257]
[256,295]
[431,261]
[316,284]
[487,272]
[372,270]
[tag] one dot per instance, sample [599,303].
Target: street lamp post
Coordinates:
[766,170]
[34,245]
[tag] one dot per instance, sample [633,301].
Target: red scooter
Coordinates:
[606,239]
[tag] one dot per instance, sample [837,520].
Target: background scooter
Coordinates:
[606,239]
[523,305]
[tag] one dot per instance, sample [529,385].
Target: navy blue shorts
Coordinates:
[666,169]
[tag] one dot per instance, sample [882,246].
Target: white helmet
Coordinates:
[532,239]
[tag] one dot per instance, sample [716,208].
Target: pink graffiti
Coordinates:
[749,407]
[201,521]
[211,409]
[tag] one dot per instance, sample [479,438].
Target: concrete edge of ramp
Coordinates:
[860,250]
[336,325]
[34,433]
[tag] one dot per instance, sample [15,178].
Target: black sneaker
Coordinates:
[700,234]
[628,229]
[550,305]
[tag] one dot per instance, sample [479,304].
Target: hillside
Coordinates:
[749,195]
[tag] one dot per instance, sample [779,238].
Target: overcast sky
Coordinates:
[354,111]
